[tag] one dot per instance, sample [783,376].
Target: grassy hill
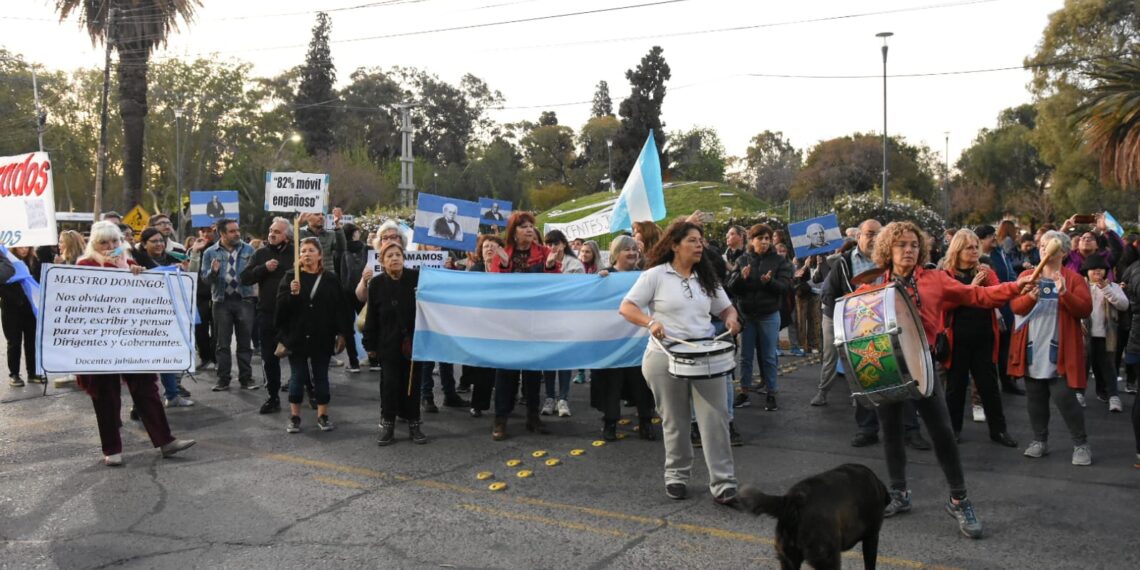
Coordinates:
[681,198]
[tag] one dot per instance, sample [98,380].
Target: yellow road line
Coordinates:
[340,482]
[545,520]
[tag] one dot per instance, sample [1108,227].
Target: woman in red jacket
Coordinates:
[106,248]
[973,334]
[524,253]
[1048,349]
[901,248]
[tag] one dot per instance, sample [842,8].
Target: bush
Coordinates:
[853,209]
[716,229]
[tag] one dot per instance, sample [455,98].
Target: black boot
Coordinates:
[645,430]
[535,424]
[415,433]
[609,431]
[499,429]
[387,432]
[1009,386]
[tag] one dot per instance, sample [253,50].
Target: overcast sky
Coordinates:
[718,73]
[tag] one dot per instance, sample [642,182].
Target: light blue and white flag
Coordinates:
[525,321]
[1112,224]
[642,199]
[209,206]
[24,278]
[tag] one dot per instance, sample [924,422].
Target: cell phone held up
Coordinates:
[1084,219]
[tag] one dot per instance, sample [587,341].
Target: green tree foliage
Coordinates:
[772,164]
[494,171]
[366,116]
[603,104]
[853,209]
[548,195]
[1110,119]
[549,149]
[641,112]
[447,118]
[135,30]
[593,165]
[1002,171]
[548,118]
[1077,37]
[697,154]
[313,111]
[853,165]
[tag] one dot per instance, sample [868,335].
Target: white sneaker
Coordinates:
[179,402]
[1037,449]
[113,460]
[979,414]
[547,407]
[1081,399]
[336,362]
[1082,455]
[563,409]
[1114,404]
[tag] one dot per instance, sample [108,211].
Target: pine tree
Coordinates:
[603,105]
[313,113]
[642,112]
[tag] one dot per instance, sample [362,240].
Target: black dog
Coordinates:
[824,515]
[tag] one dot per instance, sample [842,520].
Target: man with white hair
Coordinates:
[266,269]
[446,226]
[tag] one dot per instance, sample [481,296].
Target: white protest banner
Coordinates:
[300,192]
[27,201]
[98,321]
[412,260]
[595,224]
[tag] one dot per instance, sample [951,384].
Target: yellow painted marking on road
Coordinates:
[340,482]
[721,533]
[589,511]
[655,421]
[552,462]
[484,475]
[545,520]
[539,454]
[441,486]
[525,473]
[497,486]
[577,452]
[599,443]
[624,421]
[514,462]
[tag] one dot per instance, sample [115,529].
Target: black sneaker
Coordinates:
[325,423]
[676,491]
[220,387]
[454,401]
[770,403]
[15,381]
[428,405]
[734,437]
[251,385]
[741,401]
[271,405]
[726,497]
[695,435]
[968,521]
[864,439]
[294,425]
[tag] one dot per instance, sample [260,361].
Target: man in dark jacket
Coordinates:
[350,271]
[266,269]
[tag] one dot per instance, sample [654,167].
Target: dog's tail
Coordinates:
[759,503]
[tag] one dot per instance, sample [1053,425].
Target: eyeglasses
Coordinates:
[163,223]
[688,288]
[156,241]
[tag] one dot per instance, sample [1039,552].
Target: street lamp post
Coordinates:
[610,160]
[178,164]
[946,179]
[884,35]
[295,137]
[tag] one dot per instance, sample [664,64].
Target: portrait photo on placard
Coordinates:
[446,222]
[494,212]
[209,206]
[816,235]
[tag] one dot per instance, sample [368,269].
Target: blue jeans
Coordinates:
[563,383]
[309,369]
[234,316]
[169,385]
[427,380]
[760,337]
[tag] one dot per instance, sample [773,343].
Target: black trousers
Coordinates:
[20,329]
[507,385]
[482,382]
[399,389]
[933,412]
[973,355]
[270,364]
[204,331]
[608,386]
[1103,367]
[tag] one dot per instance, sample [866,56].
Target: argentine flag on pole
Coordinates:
[642,199]
[525,321]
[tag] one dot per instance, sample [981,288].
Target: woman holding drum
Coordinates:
[973,335]
[901,248]
[680,290]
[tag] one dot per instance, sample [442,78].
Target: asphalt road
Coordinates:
[251,496]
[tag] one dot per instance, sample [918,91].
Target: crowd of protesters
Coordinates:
[970,285]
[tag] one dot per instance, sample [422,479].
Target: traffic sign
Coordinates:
[137,218]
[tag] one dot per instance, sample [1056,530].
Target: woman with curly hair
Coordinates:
[901,249]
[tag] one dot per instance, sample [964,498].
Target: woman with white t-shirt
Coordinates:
[680,290]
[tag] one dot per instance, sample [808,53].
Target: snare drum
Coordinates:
[708,359]
[879,335]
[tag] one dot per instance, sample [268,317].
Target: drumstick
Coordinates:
[722,335]
[679,341]
[1051,249]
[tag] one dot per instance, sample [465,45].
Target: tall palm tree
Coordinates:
[136,29]
[1110,120]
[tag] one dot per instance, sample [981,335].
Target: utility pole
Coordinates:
[884,35]
[101,154]
[178,164]
[41,116]
[407,161]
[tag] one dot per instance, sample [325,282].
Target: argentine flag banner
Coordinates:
[525,321]
[25,279]
[642,199]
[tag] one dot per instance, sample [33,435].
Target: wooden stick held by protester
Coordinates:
[1051,250]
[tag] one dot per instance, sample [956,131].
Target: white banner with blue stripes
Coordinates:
[526,321]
